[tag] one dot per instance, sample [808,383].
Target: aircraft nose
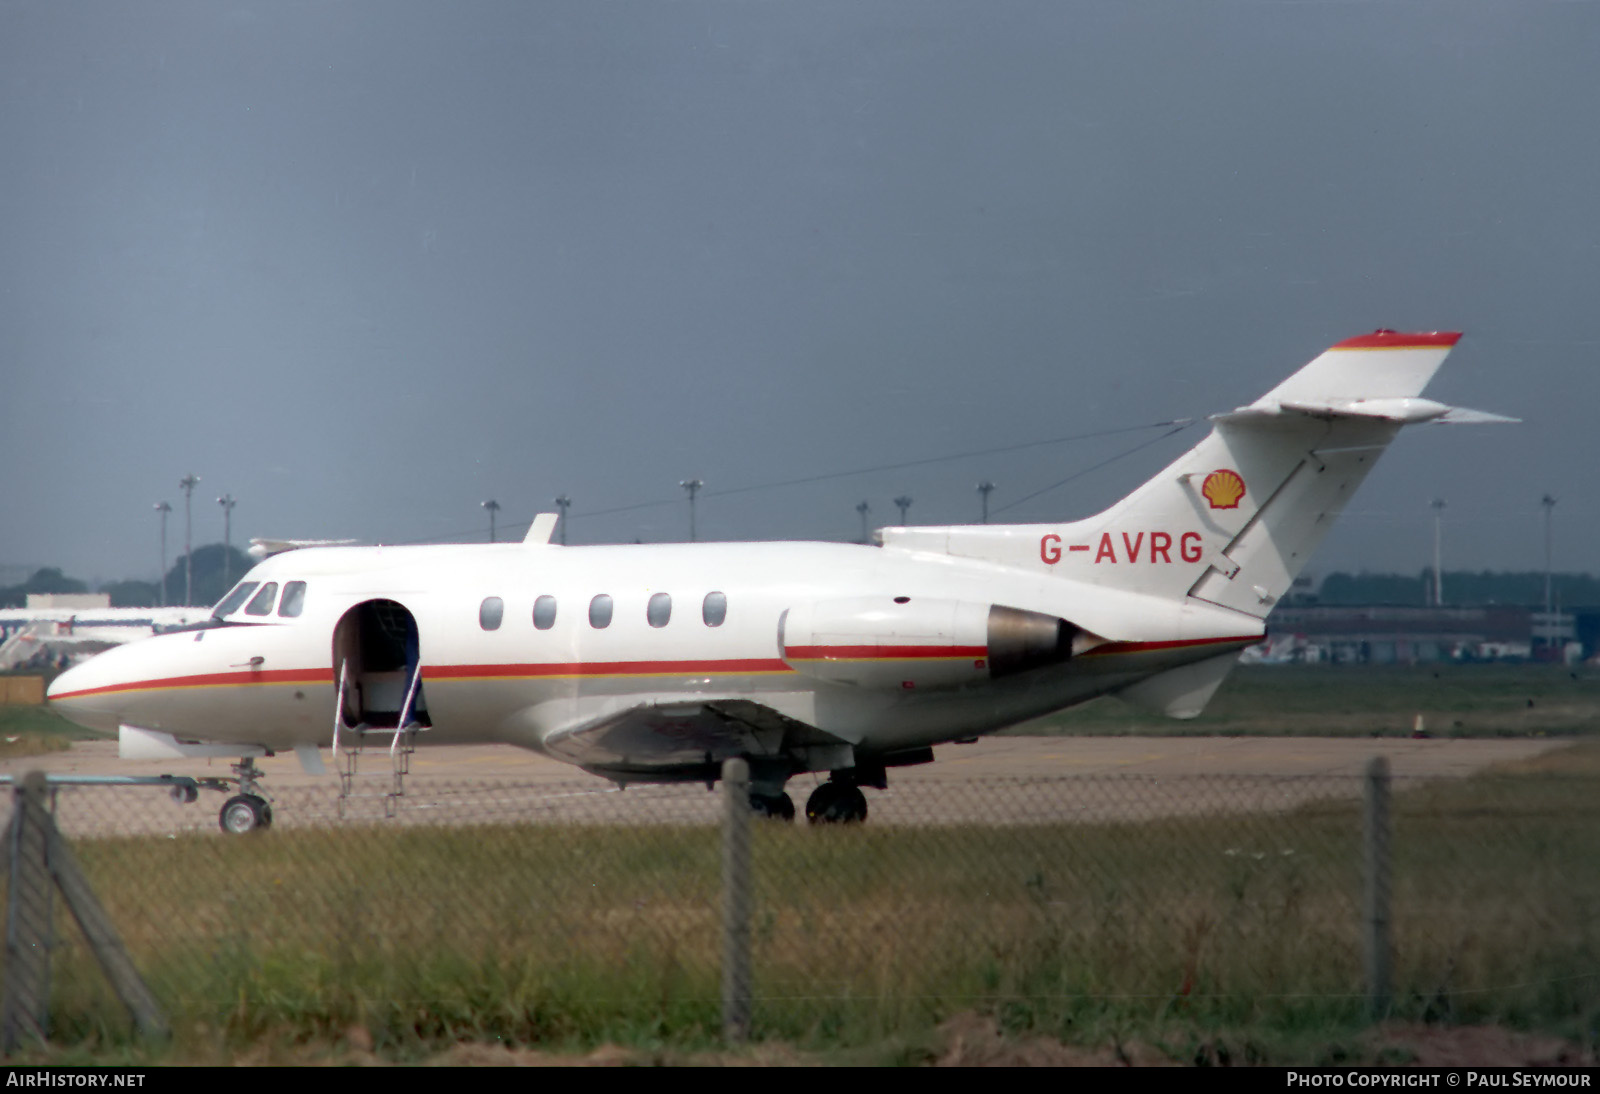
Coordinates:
[79,695]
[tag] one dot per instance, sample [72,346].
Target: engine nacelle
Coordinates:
[919,642]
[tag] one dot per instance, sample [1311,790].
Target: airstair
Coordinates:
[351,742]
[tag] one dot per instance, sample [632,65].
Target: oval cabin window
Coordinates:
[490,612]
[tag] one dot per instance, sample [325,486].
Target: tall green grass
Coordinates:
[580,934]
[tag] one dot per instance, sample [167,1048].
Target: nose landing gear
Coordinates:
[247,811]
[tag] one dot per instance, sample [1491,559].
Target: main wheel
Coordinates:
[245,813]
[773,806]
[836,803]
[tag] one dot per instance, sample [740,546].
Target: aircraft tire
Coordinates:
[772,807]
[245,813]
[836,803]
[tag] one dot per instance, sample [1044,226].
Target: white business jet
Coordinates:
[656,663]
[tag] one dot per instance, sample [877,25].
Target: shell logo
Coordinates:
[1223,489]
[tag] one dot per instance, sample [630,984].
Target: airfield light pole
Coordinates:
[863,509]
[1549,504]
[693,486]
[227,503]
[163,508]
[983,488]
[904,503]
[563,503]
[188,483]
[493,507]
[1438,578]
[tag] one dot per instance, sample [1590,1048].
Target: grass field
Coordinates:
[1233,928]
[30,730]
[1365,700]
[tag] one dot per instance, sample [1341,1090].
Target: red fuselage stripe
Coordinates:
[605,668]
[880,653]
[730,667]
[213,680]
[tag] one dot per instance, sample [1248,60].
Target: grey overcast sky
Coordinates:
[366,264]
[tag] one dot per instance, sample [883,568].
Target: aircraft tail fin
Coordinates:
[1232,521]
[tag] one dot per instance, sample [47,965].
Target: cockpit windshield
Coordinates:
[231,603]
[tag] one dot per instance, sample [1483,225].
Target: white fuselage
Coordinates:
[270,682]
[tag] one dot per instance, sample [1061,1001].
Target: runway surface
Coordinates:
[1004,780]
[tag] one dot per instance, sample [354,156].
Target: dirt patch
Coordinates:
[971,1040]
[1475,1046]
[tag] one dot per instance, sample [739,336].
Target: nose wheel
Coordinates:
[245,813]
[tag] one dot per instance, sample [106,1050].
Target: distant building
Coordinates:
[1405,635]
[40,601]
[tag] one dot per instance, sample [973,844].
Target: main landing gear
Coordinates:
[777,806]
[836,802]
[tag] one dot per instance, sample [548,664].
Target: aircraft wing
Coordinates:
[664,734]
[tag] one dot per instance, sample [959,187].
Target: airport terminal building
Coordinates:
[1380,634]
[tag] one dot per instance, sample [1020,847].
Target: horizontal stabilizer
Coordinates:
[1402,410]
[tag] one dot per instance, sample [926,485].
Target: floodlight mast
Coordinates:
[863,509]
[1549,504]
[1438,578]
[187,484]
[984,489]
[693,487]
[904,504]
[227,503]
[493,507]
[163,508]
[563,503]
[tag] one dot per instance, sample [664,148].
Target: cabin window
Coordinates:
[600,611]
[544,612]
[294,599]
[230,603]
[262,604]
[490,612]
[659,612]
[715,609]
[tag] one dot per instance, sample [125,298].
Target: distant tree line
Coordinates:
[209,582]
[1462,589]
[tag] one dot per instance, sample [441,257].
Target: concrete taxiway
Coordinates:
[999,780]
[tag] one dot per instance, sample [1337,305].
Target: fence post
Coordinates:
[25,994]
[1375,909]
[37,860]
[735,900]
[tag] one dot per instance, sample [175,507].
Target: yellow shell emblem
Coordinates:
[1223,489]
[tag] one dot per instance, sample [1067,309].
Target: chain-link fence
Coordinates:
[577,912]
